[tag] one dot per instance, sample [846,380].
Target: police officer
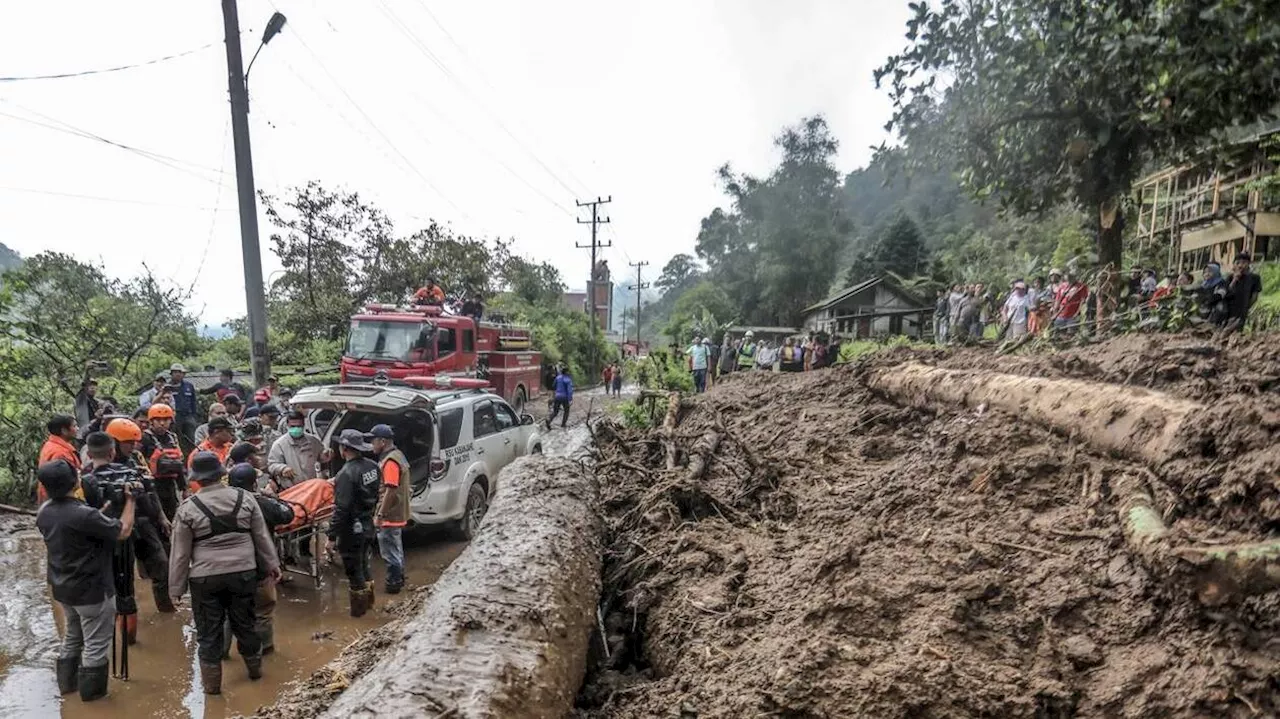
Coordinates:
[81,542]
[164,457]
[275,513]
[355,494]
[220,545]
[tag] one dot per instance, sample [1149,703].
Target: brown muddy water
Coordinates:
[311,627]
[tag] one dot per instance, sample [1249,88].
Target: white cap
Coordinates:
[177,367]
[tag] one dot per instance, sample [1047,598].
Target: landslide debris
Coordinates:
[814,550]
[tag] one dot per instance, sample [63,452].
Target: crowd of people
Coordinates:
[190,508]
[1061,301]
[708,361]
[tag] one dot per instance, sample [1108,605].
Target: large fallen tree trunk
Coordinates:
[1149,426]
[505,630]
[1141,423]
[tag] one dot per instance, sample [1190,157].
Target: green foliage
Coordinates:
[1034,102]
[560,334]
[774,252]
[660,371]
[853,350]
[703,310]
[63,322]
[634,416]
[679,270]
[899,248]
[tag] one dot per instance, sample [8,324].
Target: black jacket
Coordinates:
[355,494]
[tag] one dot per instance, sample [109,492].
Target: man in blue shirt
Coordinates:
[185,406]
[563,398]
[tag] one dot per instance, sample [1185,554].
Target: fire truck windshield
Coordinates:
[398,341]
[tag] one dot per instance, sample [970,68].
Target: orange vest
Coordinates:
[56,448]
[205,446]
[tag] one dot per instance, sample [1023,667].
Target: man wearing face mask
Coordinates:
[293,458]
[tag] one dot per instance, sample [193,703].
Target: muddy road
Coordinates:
[311,626]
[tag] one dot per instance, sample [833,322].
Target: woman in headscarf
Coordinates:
[1212,295]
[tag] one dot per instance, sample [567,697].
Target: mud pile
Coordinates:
[845,556]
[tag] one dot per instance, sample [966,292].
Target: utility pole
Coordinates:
[595,246]
[638,286]
[254,296]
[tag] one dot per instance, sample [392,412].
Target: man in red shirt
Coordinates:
[63,430]
[221,437]
[1069,298]
[392,514]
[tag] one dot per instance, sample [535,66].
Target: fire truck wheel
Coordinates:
[521,400]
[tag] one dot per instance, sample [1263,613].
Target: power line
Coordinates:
[374,125]
[213,217]
[105,70]
[435,60]
[99,198]
[483,78]
[67,128]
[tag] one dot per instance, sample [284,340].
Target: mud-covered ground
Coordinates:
[845,556]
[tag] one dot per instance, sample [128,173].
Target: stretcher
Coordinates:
[312,503]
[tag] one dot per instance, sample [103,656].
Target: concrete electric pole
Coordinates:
[638,286]
[595,246]
[255,300]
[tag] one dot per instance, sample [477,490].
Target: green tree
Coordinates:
[1034,102]
[899,249]
[535,283]
[775,253]
[679,269]
[703,309]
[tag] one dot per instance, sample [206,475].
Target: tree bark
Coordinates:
[505,630]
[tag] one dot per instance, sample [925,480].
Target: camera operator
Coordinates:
[81,542]
[102,480]
[151,536]
[164,457]
[220,543]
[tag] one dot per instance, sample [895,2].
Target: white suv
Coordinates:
[456,441]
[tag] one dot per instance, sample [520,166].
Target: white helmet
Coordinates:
[749,334]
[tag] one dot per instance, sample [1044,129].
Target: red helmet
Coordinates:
[124,430]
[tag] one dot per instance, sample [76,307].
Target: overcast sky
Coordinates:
[490,115]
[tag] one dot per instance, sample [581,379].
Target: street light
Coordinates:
[274,26]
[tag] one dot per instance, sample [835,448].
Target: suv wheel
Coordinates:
[477,505]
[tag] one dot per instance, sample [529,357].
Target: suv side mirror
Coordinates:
[526,418]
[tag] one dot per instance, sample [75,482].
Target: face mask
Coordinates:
[295,432]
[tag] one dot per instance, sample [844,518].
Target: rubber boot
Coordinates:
[268,638]
[254,665]
[68,671]
[395,581]
[130,628]
[368,595]
[211,678]
[93,683]
[356,597]
[164,604]
[226,640]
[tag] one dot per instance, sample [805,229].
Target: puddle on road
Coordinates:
[163,669]
[164,680]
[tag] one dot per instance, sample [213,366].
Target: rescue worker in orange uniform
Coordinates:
[163,453]
[63,431]
[221,438]
[151,530]
[431,294]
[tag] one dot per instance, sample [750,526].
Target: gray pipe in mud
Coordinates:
[505,630]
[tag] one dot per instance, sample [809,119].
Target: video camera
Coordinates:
[111,483]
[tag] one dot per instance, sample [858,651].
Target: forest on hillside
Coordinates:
[1020,130]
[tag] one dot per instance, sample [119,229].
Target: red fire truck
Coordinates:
[389,343]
